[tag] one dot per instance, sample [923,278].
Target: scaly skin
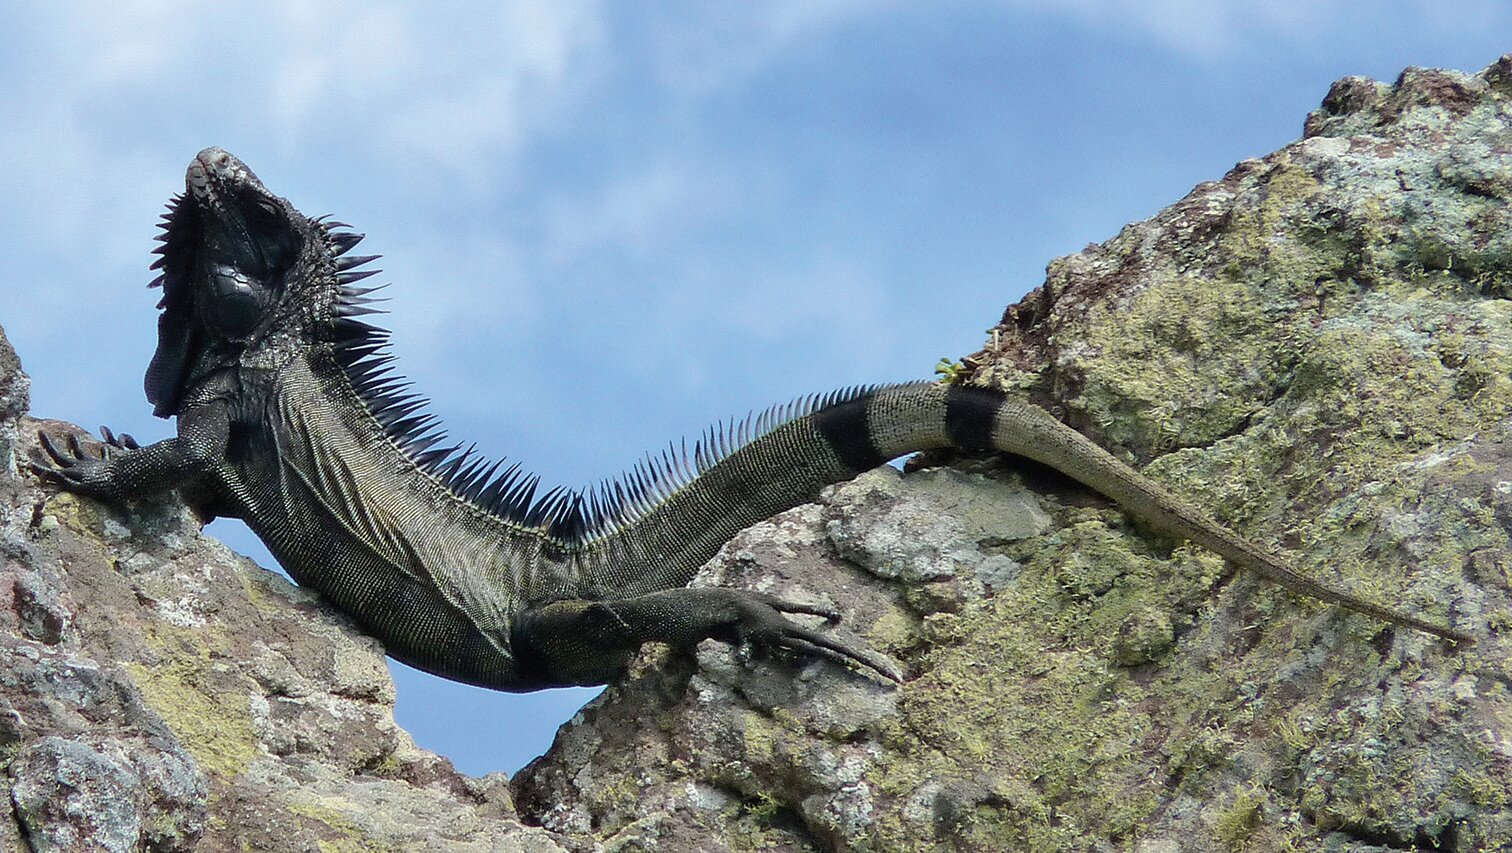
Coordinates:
[286,419]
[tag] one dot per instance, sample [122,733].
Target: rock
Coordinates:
[13,404]
[72,795]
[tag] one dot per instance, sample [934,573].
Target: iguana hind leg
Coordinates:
[578,641]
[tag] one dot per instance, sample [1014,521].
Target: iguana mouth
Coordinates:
[222,165]
[239,207]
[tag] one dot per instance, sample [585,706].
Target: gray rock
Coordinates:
[14,397]
[937,530]
[71,797]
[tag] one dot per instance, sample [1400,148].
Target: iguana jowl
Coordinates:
[289,418]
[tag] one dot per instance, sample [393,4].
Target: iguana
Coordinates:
[289,417]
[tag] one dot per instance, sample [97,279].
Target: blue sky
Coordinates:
[608,225]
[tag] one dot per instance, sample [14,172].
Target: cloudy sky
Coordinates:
[608,225]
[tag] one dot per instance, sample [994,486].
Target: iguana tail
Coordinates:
[666,541]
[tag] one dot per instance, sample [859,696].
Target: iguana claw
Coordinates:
[73,467]
[762,625]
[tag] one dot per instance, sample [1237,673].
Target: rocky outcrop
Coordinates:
[1316,347]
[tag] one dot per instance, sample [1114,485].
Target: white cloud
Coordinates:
[1204,29]
[647,206]
[455,86]
[105,104]
[700,48]
[1210,30]
[445,84]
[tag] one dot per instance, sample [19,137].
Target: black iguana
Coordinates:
[289,418]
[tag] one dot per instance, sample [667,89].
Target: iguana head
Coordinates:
[241,266]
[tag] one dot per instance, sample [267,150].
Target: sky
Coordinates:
[608,225]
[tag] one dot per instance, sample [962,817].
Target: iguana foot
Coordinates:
[74,467]
[761,624]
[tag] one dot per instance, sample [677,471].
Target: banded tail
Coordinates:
[664,544]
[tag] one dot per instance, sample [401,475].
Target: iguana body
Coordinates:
[288,420]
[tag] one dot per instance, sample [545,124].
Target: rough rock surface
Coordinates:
[160,692]
[1316,347]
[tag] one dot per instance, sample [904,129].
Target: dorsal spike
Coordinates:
[346,262]
[357,275]
[346,327]
[425,460]
[442,458]
[489,498]
[481,481]
[416,446]
[518,500]
[343,241]
[448,472]
[362,291]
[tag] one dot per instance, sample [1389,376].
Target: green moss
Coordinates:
[621,795]
[764,807]
[1031,691]
[387,766]
[1181,365]
[1144,635]
[76,513]
[759,737]
[762,822]
[892,630]
[215,726]
[332,815]
[1087,559]
[347,845]
[1482,789]
[1239,820]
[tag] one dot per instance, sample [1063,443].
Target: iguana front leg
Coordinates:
[124,470]
[589,642]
